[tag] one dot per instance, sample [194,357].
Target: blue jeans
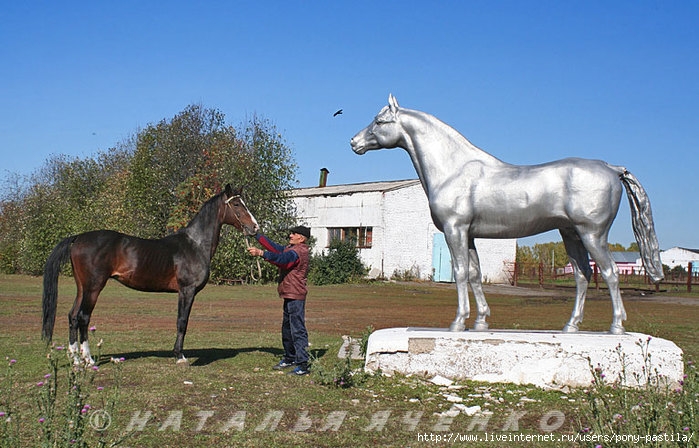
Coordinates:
[294,334]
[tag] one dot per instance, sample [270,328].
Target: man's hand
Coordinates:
[255,252]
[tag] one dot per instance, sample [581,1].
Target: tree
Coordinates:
[550,255]
[262,163]
[166,155]
[616,247]
[150,185]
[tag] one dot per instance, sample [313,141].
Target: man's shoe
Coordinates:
[283,364]
[299,371]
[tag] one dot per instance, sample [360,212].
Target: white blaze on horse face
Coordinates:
[255,225]
[238,209]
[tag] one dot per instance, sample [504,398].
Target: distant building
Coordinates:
[391,224]
[680,256]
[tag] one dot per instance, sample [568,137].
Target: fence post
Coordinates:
[689,277]
[541,275]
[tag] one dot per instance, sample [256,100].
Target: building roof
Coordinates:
[349,189]
[625,257]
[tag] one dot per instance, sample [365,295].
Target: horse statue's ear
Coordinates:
[229,190]
[393,103]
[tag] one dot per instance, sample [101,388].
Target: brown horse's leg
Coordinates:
[73,347]
[184,307]
[89,284]
[88,304]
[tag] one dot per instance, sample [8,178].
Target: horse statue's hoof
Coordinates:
[570,328]
[617,329]
[457,326]
[480,326]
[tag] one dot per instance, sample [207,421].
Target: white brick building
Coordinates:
[393,228]
[680,256]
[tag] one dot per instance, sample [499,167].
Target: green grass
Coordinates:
[233,340]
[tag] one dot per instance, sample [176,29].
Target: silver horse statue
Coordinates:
[472,194]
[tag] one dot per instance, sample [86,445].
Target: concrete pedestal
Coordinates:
[548,359]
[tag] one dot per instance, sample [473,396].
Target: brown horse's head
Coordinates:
[236,213]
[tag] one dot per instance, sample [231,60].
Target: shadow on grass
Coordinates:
[203,356]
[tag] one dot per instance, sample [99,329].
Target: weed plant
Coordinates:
[67,406]
[663,413]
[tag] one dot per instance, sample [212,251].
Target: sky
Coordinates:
[527,81]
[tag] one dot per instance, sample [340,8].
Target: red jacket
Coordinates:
[293,264]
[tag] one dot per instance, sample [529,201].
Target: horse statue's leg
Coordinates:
[582,272]
[184,307]
[476,282]
[457,240]
[599,249]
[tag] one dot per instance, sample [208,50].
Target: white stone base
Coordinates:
[548,359]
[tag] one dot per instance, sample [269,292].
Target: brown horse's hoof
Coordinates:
[183,362]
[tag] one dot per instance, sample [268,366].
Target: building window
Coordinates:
[361,236]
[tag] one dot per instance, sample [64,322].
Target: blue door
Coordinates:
[441,259]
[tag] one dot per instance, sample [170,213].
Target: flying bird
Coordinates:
[337,113]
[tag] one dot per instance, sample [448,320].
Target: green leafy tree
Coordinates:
[526,255]
[550,255]
[265,168]
[150,185]
[166,155]
[58,204]
[616,247]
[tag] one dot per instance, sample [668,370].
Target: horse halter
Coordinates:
[231,198]
[228,203]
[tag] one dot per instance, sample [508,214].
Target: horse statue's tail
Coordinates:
[56,260]
[643,228]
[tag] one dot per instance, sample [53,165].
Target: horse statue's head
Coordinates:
[385,131]
[236,213]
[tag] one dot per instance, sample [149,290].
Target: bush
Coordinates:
[341,264]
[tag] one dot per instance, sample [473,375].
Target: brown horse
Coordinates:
[176,263]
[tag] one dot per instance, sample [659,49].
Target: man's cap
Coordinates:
[301,230]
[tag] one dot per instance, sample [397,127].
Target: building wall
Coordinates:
[678,256]
[403,231]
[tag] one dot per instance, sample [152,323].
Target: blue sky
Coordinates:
[527,81]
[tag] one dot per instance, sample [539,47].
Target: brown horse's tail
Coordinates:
[56,260]
[643,228]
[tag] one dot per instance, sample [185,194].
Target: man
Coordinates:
[292,261]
